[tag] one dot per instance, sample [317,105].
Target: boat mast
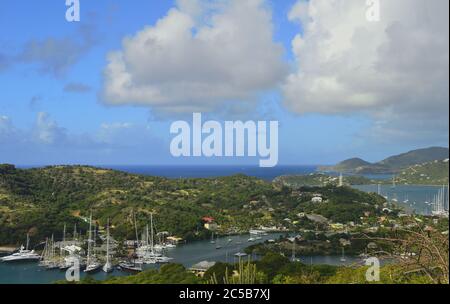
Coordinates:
[88,261]
[44,252]
[107,245]
[146,236]
[151,232]
[135,228]
[63,241]
[293,250]
[52,248]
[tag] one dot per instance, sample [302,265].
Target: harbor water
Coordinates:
[186,254]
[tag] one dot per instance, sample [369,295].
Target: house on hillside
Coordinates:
[209,223]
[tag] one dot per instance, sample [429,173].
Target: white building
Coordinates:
[317,199]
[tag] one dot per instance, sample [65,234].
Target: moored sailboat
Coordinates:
[108,267]
[92,265]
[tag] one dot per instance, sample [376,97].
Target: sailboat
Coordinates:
[240,254]
[393,182]
[24,254]
[73,251]
[51,261]
[147,251]
[61,249]
[217,243]
[132,267]
[406,201]
[294,258]
[440,203]
[343,259]
[212,238]
[135,265]
[45,254]
[108,266]
[92,265]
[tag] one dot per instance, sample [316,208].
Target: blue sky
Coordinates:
[59,103]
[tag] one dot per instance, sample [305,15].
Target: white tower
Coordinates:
[341,180]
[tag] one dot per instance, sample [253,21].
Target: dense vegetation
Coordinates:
[393,164]
[432,173]
[320,179]
[271,269]
[40,201]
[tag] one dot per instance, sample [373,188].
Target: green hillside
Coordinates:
[41,201]
[431,173]
[320,179]
[415,157]
[391,164]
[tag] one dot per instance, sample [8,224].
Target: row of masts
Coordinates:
[146,251]
[441,202]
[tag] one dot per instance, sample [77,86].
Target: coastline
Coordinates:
[7,249]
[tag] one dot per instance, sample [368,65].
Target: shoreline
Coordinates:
[7,249]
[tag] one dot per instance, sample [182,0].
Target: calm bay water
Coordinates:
[410,197]
[186,254]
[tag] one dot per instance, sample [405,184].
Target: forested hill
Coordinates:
[40,201]
[393,164]
[431,173]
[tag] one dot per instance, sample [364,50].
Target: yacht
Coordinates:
[132,267]
[93,267]
[23,255]
[163,259]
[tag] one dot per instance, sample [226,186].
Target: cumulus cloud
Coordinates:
[397,69]
[47,131]
[200,55]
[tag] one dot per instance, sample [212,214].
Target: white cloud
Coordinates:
[46,142]
[200,55]
[7,129]
[47,131]
[5,124]
[396,69]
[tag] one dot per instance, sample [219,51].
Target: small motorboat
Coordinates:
[130,267]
